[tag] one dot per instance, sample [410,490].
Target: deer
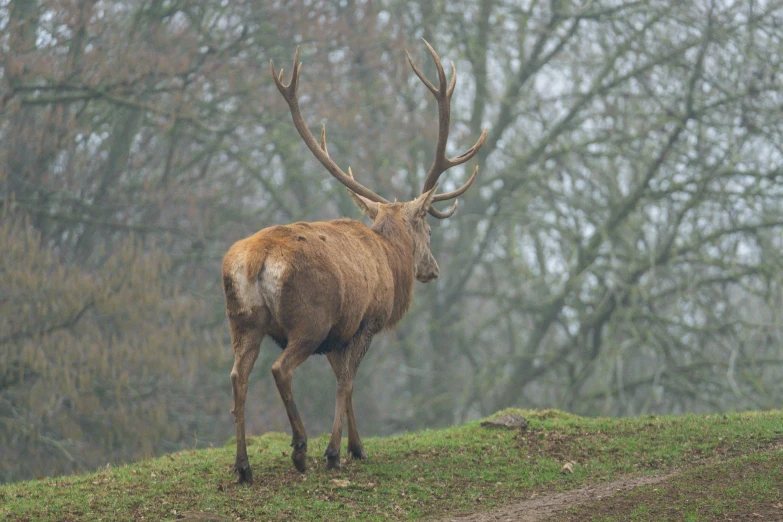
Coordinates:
[329,287]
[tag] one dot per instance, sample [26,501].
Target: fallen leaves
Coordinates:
[344,483]
[568,468]
[201,516]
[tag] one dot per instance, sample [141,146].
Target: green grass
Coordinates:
[417,475]
[744,487]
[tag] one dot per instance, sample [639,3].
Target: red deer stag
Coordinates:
[329,287]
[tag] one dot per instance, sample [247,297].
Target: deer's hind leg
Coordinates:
[345,363]
[247,332]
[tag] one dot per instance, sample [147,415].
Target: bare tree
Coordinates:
[618,254]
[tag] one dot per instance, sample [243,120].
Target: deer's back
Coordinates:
[321,278]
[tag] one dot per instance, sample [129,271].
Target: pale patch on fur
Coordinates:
[248,295]
[270,284]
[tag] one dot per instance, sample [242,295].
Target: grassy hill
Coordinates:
[721,466]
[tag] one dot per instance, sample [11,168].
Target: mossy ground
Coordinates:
[436,473]
[741,488]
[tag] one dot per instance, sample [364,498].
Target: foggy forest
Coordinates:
[619,254]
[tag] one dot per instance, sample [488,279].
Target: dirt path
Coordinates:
[543,506]
[547,505]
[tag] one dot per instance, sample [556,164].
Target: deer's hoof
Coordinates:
[333,462]
[244,475]
[357,453]
[332,458]
[299,459]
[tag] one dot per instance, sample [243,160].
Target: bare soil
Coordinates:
[712,488]
[542,507]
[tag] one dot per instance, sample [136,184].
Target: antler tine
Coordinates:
[453,81]
[456,193]
[318,150]
[323,146]
[443,215]
[421,76]
[441,163]
[438,65]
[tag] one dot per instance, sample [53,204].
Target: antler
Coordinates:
[320,152]
[442,163]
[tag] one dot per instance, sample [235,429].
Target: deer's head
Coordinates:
[412,213]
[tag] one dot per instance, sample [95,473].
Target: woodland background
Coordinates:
[619,254]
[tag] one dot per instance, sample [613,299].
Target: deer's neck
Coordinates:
[398,247]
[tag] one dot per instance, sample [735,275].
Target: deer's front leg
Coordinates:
[332,453]
[345,363]
[354,442]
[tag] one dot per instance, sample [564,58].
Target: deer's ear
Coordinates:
[420,205]
[367,206]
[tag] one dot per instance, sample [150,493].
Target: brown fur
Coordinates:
[342,268]
[323,287]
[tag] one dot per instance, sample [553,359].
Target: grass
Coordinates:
[747,487]
[437,473]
